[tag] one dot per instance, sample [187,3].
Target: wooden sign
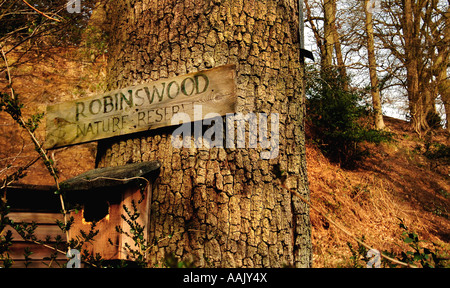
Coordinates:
[140,108]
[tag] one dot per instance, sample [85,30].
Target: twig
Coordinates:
[53,248]
[42,13]
[12,178]
[38,145]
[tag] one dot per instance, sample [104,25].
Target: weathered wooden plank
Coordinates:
[39,218]
[116,249]
[33,198]
[142,107]
[39,252]
[41,232]
[107,227]
[39,264]
[101,178]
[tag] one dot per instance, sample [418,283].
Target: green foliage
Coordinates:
[95,42]
[139,249]
[21,24]
[437,152]
[5,236]
[418,255]
[33,123]
[434,120]
[11,105]
[26,254]
[358,258]
[65,227]
[25,230]
[84,237]
[87,257]
[339,118]
[171,261]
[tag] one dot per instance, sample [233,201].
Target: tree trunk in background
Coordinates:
[332,42]
[442,62]
[418,25]
[315,30]
[329,32]
[218,207]
[375,89]
[412,42]
[338,49]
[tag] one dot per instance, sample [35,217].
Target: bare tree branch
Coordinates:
[42,13]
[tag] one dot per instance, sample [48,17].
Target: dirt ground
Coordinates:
[396,183]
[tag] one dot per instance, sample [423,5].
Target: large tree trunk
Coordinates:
[410,30]
[218,207]
[375,89]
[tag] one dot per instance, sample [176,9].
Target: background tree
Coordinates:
[221,207]
[31,28]
[409,46]
[412,31]
[374,89]
[441,34]
[328,38]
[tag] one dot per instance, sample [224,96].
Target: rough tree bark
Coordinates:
[218,207]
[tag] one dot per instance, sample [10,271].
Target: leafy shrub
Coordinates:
[5,236]
[419,255]
[416,254]
[437,152]
[434,120]
[339,118]
[359,256]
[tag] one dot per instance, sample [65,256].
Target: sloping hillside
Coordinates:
[396,182]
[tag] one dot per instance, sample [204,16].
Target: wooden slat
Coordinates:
[40,252]
[41,232]
[143,208]
[39,218]
[142,107]
[107,227]
[39,264]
